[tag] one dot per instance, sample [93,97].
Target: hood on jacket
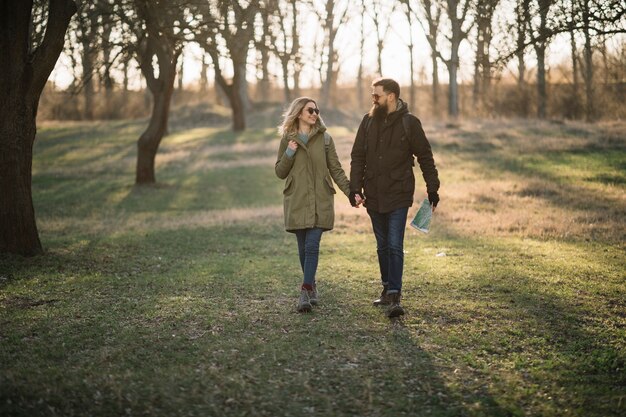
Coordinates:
[401,109]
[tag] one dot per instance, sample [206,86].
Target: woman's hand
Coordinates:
[293,145]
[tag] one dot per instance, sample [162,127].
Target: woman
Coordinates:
[307,159]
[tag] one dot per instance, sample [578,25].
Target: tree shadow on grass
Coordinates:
[519,304]
[603,155]
[202,322]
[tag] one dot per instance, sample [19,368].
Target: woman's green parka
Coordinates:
[309,193]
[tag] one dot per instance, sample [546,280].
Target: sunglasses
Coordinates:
[311,110]
[376,96]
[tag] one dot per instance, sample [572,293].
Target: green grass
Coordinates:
[179,299]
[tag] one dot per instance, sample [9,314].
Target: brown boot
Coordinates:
[383,300]
[394,309]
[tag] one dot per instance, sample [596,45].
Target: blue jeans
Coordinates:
[389,232]
[309,251]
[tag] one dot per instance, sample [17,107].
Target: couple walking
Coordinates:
[381,178]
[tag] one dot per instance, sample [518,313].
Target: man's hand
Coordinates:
[433,198]
[356,198]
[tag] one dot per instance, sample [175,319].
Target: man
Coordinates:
[382,174]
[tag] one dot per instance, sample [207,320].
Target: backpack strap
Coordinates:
[368,123]
[405,124]
[326,145]
[407,132]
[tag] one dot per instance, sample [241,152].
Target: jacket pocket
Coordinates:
[289,186]
[402,179]
[329,182]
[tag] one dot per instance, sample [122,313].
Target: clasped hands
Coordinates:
[356,198]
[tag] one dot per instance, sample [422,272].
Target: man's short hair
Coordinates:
[389,85]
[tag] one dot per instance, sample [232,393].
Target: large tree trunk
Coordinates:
[23,75]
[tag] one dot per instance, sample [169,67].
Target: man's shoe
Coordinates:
[383,300]
[304,302]
[313,295]
[394,309]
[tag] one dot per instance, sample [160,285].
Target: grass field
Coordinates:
[179,299]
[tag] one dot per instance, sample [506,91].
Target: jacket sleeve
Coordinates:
[336,171]
[283,162]
[357,163]
[421,149]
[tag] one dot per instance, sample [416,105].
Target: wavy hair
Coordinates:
[290,116]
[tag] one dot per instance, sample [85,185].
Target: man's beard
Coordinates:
[379,111]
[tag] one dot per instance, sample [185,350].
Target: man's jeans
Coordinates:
[309,250]
[389,232]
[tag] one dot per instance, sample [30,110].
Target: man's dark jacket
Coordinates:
[382,162]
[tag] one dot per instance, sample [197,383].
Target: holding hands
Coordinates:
[356,198]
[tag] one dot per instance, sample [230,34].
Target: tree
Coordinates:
[540,34]
[594,19]
[160,40]
[263,45]
[382,23]
[286,44]
[24,70]
[227,33]
[457,35]
[85,29]
[359,76]
[332,19]
[410,16]
[482,64]
[432,13]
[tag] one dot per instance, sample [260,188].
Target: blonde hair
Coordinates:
[290,116]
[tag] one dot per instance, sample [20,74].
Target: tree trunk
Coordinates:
[23,75]
[284,62]
[326,85]
[435,86]
[241,85]
[453,88]
[149,141]
[588,56]
[204,79]
[541,81]
[181,72]
[107,80]
[17,214]
[239,115]
[161,89]
[359,76]
[476,90]
[88,89]
[264,83]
